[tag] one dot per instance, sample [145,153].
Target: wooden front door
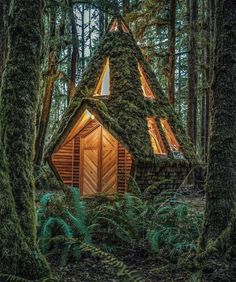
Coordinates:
[98,164]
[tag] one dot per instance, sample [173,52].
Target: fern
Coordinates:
[46,231]
[13,278]
[111,261]
[175,228]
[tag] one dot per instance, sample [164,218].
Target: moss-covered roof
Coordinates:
[125,110]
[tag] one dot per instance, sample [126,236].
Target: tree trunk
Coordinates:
[126,7]
[221,179]
[18,250]
[1,40]
[171,51]
[192,72]
[83,40]
[75,50]
[51,78]
[101,23]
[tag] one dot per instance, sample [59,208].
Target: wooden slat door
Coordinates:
[109,163]
[98,162]
[89,172]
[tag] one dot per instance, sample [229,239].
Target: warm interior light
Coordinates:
[156,140]
[172,141]
[115,26]
[103,86]
[147,92]
[92,117]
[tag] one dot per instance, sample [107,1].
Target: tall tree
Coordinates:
[192,70]
[221,179]
[1,38]
[51,77]
[126,7]
[18,249]
[171,51]
[75,50]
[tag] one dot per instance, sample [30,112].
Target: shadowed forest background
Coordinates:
[48,231]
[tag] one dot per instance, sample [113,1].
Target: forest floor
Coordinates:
[150,267]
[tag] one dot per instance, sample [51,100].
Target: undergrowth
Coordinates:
[105,228]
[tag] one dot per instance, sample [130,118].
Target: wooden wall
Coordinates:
[66,161]
[63,161]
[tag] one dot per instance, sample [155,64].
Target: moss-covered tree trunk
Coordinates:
[1,38]
[52,75]
[171,51]
[75,50]
[192,71]
[18,248]
[221,178]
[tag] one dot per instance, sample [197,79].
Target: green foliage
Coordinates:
[164,224]
[175,227]
[13,278]
[65,216]
[103,226]
[121,222]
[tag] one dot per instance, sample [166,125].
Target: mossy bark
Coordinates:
[1,39]
[221,178]
[18,250]
[171,51]
[192,71]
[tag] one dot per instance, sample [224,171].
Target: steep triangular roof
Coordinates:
[125,110]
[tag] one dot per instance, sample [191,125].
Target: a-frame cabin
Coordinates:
[119,124]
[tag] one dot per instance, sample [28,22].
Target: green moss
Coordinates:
[18,248]
[125,111]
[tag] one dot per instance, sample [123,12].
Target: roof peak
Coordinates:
[118,24]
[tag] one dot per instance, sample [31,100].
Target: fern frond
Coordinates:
[46,231]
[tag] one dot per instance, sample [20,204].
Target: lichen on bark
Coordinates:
[18,249]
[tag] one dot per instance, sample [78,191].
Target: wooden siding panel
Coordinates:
[82,170]
[89,153]
[62,161]
[124,168]
[109,163]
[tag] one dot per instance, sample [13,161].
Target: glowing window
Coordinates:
[115,26]
[147,92]
[103,86]
[156,141]
[173,143]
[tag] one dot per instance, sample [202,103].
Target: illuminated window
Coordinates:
[156,141]
[115,26]
[103,86]
[147,92]
[173,143]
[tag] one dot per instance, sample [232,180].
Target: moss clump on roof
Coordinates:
[124,112]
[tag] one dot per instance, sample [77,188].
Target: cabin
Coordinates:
[119,127]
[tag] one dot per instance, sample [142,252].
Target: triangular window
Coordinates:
[124,27]
[170,137]
[115,26]
[103,86]
[155,137]
[147,92]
